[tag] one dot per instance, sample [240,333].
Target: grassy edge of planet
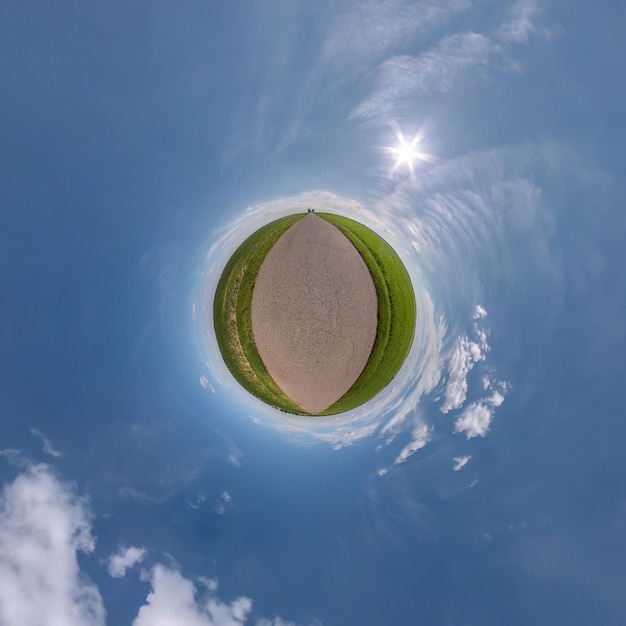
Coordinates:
[232,316]
[396,313]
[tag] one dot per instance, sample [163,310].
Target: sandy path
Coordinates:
[314,313]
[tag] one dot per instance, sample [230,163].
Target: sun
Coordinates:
[406,152]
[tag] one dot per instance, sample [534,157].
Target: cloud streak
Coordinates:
[48,448]
[420,437]
[461,57]
[372,28]
[461,60]
[460,462]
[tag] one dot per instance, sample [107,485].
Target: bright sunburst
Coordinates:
[406,152]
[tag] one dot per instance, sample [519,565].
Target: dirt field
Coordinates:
[314,313]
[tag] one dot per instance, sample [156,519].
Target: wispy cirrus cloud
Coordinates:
[48,448]
[522,22]
[462,57]
[368,29]
[419,438]
[347,39]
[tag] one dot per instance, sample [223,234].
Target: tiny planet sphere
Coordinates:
[314,314]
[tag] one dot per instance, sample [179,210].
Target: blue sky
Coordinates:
[141,142]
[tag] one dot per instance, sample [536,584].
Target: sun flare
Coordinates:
[406,152]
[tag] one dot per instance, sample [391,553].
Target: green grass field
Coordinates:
[233,322]
[396,313]
[232,315]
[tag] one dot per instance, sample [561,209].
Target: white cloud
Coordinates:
[475,420]
[226,496]
[43,524]
[125,559]
[465,354]
[420,438]
[174,600]
[460,462]
[479,312]
[496,399]
[457,58]
[47,446]
[522,23]
[382,471]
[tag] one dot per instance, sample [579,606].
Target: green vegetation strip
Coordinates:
[233,320]
[396,313]
[232,315]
